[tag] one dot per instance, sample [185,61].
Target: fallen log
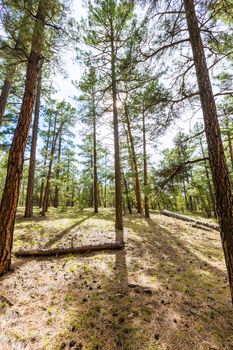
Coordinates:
[186,218]
[70,250]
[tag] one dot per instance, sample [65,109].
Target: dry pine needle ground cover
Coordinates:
[167,290]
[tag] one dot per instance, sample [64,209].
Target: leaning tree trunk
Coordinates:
[11,190]
[217,159]
[127,194]
[134,163]
[32,164]
[3,98]
[146,199]
[118,192]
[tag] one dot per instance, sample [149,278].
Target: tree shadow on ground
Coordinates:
[60,235]
[104,303]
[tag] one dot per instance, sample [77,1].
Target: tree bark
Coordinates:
[32,164]
[127,194]
[57,189]
[134,163]
[11,190]
[3,98]
[208,181]
[95,175]
[118,192]
[45,162]
[186,218]
[146,199]
[52,152]
[229,139]
[217,159]
[71,250]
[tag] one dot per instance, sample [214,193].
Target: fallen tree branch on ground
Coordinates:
[71,250]
[186,218]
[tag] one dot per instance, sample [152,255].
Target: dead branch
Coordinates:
[70,250]
[186,218]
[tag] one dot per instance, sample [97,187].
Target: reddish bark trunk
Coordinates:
[118,191]
[32,164]
[222,185]
[11,190]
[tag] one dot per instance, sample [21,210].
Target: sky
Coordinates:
[67,91]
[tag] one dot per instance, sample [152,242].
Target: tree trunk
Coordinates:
[45,162]
[11,190]
[134,163]
[146,200]
[217,159]
[188,219]
[95,175]
[3,98]
[127,194]
[229,140]
[32,164]
[57,189]
[208,181]
[70,250]
[47,186]
[118,192]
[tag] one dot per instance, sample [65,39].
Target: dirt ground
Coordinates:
[167,289]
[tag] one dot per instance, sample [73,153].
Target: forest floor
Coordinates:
[167,289]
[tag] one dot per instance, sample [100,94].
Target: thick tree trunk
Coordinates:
[11,190]
[134,163]
[32,164]
[3,98]
[118,192]
[146,199]
[217,159]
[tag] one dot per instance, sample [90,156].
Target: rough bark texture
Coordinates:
[186,218]
[146,200]
[118,192]
[3,98]
[32,164]
[217,159]
[11,190]
[72,250]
